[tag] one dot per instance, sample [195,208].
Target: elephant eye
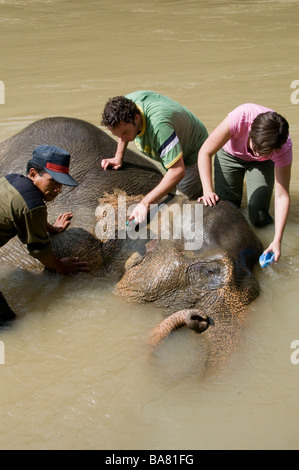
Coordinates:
[203,274]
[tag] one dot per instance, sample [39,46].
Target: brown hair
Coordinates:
[119,109]
[36,167]
[269,131]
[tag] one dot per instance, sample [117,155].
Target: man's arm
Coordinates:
[171,178]
[116,161]
[39,245]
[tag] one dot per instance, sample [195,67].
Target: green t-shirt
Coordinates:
[170,131]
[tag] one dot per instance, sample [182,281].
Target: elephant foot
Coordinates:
[194,319]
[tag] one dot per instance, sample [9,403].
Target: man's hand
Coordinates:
[63,221]
[139,214]
[115,163]
[64,266]
[73,266]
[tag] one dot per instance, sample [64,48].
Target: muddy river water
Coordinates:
[75,370]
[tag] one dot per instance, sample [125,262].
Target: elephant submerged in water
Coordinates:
[206,287]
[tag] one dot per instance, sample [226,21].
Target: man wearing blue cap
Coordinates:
[23,211]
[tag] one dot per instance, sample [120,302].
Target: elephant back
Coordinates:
[87,145]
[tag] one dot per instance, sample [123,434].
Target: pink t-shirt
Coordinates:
[240,120]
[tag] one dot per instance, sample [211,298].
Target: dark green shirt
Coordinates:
[23,213]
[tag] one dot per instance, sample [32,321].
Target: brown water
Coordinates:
[77,373]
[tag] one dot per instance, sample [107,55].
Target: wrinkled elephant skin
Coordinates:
[87,145]
[217,280]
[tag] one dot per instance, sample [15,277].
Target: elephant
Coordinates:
[206,287]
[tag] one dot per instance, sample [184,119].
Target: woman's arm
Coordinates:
[282,204]
[214,142]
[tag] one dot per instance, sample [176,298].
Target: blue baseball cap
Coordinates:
[56,162]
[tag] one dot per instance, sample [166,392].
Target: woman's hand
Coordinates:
[275,248]
[209,199]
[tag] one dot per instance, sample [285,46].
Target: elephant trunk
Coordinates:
[194,319]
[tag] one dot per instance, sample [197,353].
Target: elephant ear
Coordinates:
[220,272]
[210,271]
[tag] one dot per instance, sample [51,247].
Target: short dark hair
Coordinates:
[119,109]
[269,131]
[38,168]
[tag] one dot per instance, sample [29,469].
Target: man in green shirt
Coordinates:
[163,130]
[23,211]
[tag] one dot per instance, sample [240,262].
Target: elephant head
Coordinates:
[206,289]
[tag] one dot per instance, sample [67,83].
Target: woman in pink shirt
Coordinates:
[252,141]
